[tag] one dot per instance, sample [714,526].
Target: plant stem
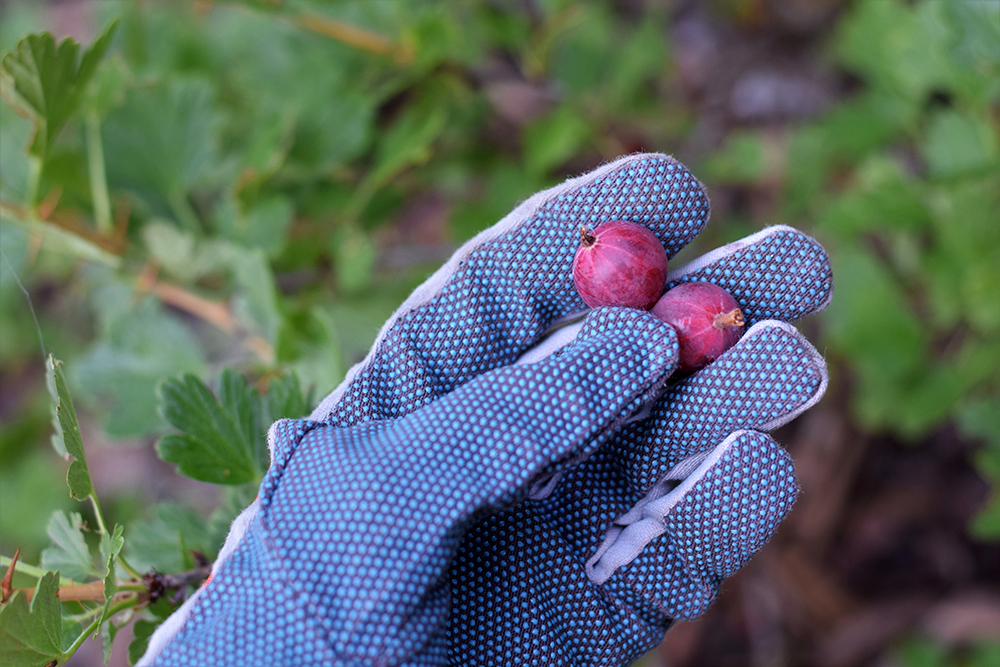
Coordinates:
[359,38]
[101,528]
[134,573]
[34,178]
[32,571]
[98,176]
[95,626]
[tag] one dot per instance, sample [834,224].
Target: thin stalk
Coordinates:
[34,179]
[32,571]
[95,626]
[134,573]
[98,176]
[103,530]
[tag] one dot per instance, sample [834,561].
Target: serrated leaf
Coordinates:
[67,439]
[31,635]
[68,552]
[222,440]
[182,254]
[46,81]
[163,541]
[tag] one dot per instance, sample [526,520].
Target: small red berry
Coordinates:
[619,264]
[707,319]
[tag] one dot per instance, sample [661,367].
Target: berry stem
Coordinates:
[586,238]
[734,318]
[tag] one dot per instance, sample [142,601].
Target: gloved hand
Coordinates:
[449,504]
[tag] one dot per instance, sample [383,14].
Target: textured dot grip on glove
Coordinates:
[778,273]
[357,526]
[650,518]
[690,418]
[770,377]
[503,289]
[529,562]
[712,525]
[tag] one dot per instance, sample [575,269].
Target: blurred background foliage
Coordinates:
[257,185]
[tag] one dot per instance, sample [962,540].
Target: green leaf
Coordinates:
[986,523]
[182,254]
[643,57]
[46,82]
[899,48]
[140,344]
[222,440]
[15,167]
[355,254]
[311,341]
[976,25]
[162,142]
[920,652]
[884,199]
[111,546]
[958,142]
[255,302]
[285,399]
[67,439]
[31,635]
[407,142]
[108,632]
[980,418]
[553,139]
[262,226]
[68,552]
[741,160]
[142,631]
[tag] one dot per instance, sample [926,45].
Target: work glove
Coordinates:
[502,483]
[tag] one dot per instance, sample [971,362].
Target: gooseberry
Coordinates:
[707,319]
[619,263]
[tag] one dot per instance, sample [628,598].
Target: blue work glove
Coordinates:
[470,496]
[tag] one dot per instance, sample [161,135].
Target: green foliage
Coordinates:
[46,82]
[913,231]
[67,439]
[928,653]
[222,439]
[197,203]
[32,634]
[68,552]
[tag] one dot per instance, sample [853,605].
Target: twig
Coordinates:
[359,38]
[214,312]
[152,586]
